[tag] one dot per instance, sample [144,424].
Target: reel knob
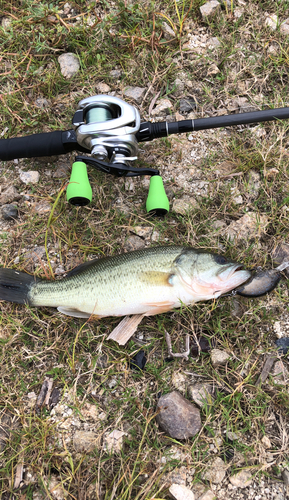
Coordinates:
[157,201]
[79,192]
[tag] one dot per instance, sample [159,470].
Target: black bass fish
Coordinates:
[148,281]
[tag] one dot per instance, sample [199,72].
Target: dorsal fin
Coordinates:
[81,267]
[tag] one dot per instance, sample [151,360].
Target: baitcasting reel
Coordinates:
[110,130]
[107,127]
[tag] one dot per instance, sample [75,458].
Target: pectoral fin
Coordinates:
[159,308]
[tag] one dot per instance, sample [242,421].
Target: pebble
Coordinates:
[10,194]
[42,207]
[177,417]
[6,22]
[133,242]
[201,393]
[162,106]
[266,442]
[285,477]
[135,93]
[115,73]
[242,479]
[85,441]
[184,205]
[219,357]
[271,21]
[284,28]
[181,492]
[249,226]
[179,381]
[187,105]
[29,177]
[280,373]
[54,485]
[69,64]
[35,254]
[208,495]
[209,9]
[9,212]
[103,88]
[41,102]
[168,31]
[113,441]
[215,472]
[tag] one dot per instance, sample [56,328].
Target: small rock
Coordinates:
[41,102]
[168,31]
[90,411]
[6,22]
[142,231]
[179,87]
[30,177]
[266,442]
[35,254]
[180,492]
[271,21]
[61,170]
[213,70]
[219,225]
[242,479]
[42,207]
[69,64]
[85,441]
[187,105]
[10,194]
[115,73]
[208,495]
[213,42]
[133,242]
[9,212]
[103,88]
[56,488]
[280,373]
[135,93]
[176,476]
[232,436]
[179,381]
[285,477]
[184,205]
[201,393]
[163,106]
[215,472]
[113,441]
[271,173]
[219,357]
[177,416]
[253,184]
[284,28]
[210,9]
[248,227]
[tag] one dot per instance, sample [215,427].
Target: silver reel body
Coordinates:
[106,126]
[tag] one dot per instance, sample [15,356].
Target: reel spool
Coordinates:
[106,126]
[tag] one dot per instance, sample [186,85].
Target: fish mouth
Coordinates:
[235,273]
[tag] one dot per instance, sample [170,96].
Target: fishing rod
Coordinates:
[109,129]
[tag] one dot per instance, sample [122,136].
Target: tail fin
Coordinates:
[15,286]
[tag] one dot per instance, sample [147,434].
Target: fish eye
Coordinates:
[220,259]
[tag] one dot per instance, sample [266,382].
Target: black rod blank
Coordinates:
[149,131]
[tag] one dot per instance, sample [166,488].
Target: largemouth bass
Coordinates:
[148,281]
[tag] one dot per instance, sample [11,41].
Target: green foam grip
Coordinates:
[157,201]
[79,192]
